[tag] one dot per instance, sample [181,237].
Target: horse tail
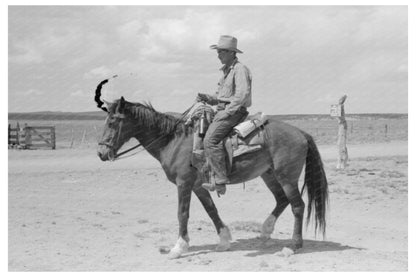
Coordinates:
[317,186]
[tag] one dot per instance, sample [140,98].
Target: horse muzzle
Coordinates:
[106,153]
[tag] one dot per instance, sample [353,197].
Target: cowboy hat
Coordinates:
[227,43]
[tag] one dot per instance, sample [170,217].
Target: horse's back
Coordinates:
[286,143]
[284,131]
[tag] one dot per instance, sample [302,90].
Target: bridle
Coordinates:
[114,141]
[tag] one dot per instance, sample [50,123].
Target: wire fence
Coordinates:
[86,133]
[359,131]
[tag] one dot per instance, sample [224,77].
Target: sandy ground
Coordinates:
[68,211]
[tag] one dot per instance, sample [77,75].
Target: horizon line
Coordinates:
[178,112]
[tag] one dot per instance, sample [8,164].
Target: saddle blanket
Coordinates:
[247,137]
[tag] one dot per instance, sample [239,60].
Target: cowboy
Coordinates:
[232,99]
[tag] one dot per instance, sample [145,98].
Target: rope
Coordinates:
[199,110]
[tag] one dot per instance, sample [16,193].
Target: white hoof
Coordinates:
[225,238]
[221,247]
[268,227]
[180,248]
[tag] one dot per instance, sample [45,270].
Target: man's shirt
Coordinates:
[235,87]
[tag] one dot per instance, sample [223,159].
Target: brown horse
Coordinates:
[170,141]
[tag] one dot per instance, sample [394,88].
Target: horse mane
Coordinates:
[150,118]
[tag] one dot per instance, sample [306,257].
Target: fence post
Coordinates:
[28,136]
[385,130]
[17,133]
[84,135]
[72,138]
[342,136]
[8,135]
[53,138]
[96,133]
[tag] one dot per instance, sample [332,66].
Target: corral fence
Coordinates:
[31,137]
[359,130]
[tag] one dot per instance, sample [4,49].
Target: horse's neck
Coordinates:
[152,144]
[160,147]
[153,140]
[156,132]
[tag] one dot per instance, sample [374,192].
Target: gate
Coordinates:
[32,137]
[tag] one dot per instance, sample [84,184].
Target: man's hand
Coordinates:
[202,97]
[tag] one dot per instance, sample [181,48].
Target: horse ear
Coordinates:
[121,105]
[108,104]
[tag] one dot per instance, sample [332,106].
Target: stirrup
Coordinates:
[221,188]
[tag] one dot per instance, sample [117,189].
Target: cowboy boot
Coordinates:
[215,184]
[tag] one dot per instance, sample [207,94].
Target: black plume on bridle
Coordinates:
[98,94]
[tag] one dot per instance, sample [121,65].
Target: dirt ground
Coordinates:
[68,211]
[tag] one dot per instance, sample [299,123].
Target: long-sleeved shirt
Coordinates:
[235,87]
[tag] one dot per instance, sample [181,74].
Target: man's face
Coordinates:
[225,56]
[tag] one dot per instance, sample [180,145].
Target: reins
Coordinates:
[117,156]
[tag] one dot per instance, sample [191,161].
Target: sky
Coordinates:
[302,58]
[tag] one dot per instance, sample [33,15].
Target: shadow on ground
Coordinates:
[259,247]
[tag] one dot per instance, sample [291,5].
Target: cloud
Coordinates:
[163,51]
[25,55]
[181,37]
[402,68]
[327,98]
[78,93]
[33,92]
[181,92]
[98,72]
[131,29]
[55,36]
[189,33]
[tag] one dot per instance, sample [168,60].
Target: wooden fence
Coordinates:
[32,137]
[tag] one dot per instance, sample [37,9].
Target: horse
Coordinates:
[169,140]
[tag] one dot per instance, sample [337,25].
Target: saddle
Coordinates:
[247,137]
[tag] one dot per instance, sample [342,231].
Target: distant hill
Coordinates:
[370,116]
[99,115]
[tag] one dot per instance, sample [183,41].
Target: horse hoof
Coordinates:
[285,252]
[268,226]
[174,254]
[223,247]
[181,247]
[297,244]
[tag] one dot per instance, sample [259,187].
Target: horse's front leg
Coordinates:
[184,201]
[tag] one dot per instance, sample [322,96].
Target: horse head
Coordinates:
[118,127]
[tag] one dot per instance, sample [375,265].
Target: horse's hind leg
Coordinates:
[291,190]
[224,233]
[281,203]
